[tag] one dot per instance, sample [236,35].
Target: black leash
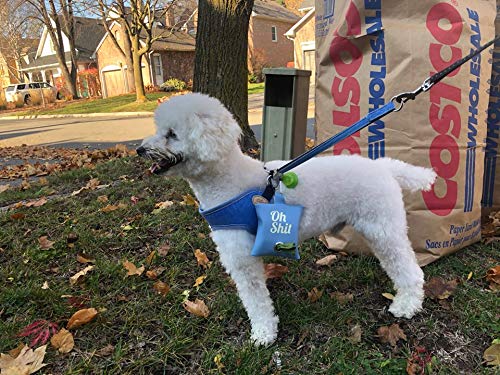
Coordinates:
[395,104]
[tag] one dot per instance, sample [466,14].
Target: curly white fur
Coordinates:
[354,190]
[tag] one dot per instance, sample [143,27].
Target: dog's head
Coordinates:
[193,131]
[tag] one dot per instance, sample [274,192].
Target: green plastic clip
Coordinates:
[285,247]
[290,180]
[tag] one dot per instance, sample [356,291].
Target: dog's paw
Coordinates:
[405,306]
[260,339]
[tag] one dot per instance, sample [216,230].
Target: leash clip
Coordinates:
[274,178]
[402,98]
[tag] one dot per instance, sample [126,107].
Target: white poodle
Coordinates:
[197,139]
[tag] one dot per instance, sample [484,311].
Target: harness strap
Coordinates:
[275,175]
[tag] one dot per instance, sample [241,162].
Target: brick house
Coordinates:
[171,56]
[303,36]
[45,67]
[267,45]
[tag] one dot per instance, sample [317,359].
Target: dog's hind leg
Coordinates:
[248,274]
[390,244]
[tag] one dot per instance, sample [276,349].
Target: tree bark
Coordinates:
[221,68]
[140,93]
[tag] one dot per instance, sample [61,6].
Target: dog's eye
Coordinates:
[171,134]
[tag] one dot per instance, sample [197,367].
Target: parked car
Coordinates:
[26,89]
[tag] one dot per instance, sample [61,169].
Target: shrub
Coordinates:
[151,88]
[173,84]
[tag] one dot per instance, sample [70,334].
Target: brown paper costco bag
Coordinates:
[369,51]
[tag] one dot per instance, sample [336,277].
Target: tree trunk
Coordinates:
[129,60]
[221,68]
[140,93]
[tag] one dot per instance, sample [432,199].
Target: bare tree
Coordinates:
[138,18]
[57,16]
[221,66]
[17,34]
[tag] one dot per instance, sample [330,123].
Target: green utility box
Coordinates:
[284,121]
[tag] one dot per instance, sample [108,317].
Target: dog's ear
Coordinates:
[214,135]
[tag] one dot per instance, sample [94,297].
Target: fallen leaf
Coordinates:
[84,259]
[391,334]
[150,258]
[493,275]
[314,294]
[161,287]
[201,236]
[327,261]
[27,362]
[72,237]
[164,249]
[111,207]
[44,243]
[134,199]
[15,352]
[199,280]
[309,142]
[36,203]
[45,285]
[39,331]
[342,298]
[197,308]
[102,198]
[492,354]
[132,268]
[469,276]
[81,317]
[105,351]
[4,188]
[389,296]
[154,273]
[218,362]
[76,277]
[202,258]
[63,341]
[161,206]
[355,336]
[274,270]
[189,200]
[17,216]
[437,288]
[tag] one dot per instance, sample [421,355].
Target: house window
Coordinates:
[274,34]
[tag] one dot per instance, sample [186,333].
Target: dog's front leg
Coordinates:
[234,247]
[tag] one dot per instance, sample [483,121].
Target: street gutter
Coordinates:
[78,115]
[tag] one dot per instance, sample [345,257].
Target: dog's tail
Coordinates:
[408,176]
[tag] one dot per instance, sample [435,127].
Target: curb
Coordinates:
[78,115]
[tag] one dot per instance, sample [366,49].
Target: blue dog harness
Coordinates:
[236,213]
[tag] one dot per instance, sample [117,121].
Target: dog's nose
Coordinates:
[140,151]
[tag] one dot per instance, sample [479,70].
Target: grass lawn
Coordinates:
[147,333]
[122,103]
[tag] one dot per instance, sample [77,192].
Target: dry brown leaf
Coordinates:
[112,207]
[199,281]
[103,199]
[63,341]
[84,259]
[161,287]
[150,258]
[17,216]
[197,308]
[77,276]
[44,243]
[492,355]
[15,352]
[4,188]
[43,181]
[493,275]
[391,334]
[189,200]
[309,142]
[274,270]
[45,285]
[355,336]
[314,294]
[164,249]
[154,273]
[389,296]
[201,236]
[36,203]
[81,317]
[132,268]
[342,298]
[105,351]
[327,261]
[437,288]
[27,362]
[202,258]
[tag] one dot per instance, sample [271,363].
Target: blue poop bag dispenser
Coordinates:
[278,228]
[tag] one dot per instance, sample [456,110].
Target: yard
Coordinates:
[122,103]
[331,316]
